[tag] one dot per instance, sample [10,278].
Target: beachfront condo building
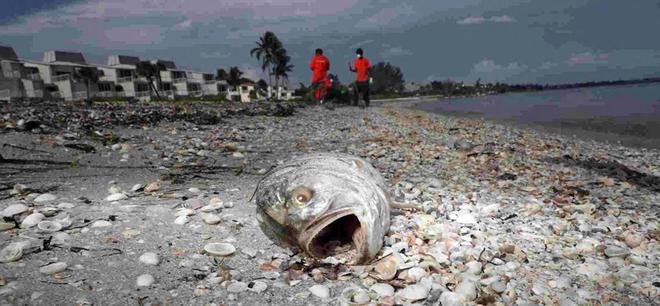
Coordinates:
[121,70]
[72,76]
[210,86]
[16,80]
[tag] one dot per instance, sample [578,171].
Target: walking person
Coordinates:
[320,66]
[361,69]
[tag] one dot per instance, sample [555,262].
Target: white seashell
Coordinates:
[219,249]
[49,226]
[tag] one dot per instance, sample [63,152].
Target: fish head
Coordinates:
[325,210]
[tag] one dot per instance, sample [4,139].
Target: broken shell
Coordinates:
[354,296]
[219,249]
[12,252]
[49,226]
[386,268]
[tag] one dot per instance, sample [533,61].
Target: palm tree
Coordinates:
[282,68]
[265,51]
[235,77]
[221,75]
[89,75]
[150,71]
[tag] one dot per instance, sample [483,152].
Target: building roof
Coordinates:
[64,56]
[56,63]
[120,60]
[7,53]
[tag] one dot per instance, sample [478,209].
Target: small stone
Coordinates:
[219,249]
[14,209]
[60,238]
[32,220]
[451,299]
[137,187]
[473,267]
[271,274]
[257,286]
[320,291]
[361,298]
[101,223]
[413,293]
[46,197]
[228,205]
[211,219]
[237,287]
[633,240]
[12,252]
[116,197]
[49,226]
[382,289]
[145,280]
[53,268]
[150,258]
[238,154]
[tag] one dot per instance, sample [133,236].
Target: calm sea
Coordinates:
[629,115]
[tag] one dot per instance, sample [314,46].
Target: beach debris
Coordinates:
[320,291]
[32,220]
[12,252]
[53,268]
[327,193]
[49,226]
[219,249]
[150,258]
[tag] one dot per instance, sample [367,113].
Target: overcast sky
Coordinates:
[512,41]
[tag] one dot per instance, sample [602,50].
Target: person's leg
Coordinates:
[366,94]
[355,98]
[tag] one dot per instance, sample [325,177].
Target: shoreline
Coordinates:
[507,215]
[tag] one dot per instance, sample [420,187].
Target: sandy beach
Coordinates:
[114,206]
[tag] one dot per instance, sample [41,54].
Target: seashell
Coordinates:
[219,249]
[49,226]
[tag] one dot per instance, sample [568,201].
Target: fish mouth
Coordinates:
[339,234]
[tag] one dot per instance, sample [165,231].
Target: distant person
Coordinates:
[320,82]
[362,67]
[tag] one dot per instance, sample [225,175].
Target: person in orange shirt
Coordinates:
[320,82]
[362,67]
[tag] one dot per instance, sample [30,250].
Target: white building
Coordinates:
[210,86]
[241,93]
[122,71]
[16,80]
[62,68]
[175,83]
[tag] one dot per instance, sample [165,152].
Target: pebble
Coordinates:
[361,298]
[116,197]
[211,219]
[194,190]
[14,209]
[320,291]
[53,268]
[382,289]
[101,223]
[49,211]
[60,238]
[236,287]
[251,253]
[46,197]
[498,286]
[137,187]
[152,187]
[145,280]
[219,249]
[4,225]
[150,258]
[32,220]
[66,205]
[228,205]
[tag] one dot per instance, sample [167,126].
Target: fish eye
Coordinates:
[302,194]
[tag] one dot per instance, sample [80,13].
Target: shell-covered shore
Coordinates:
[158,213]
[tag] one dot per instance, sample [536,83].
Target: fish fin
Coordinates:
[404,206]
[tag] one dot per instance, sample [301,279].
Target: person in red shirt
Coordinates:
[361,69]
[320,82]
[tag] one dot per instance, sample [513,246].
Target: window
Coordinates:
[244,88]
[105,87]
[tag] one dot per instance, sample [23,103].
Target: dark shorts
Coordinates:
[362,92]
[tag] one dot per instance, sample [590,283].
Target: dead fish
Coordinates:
[326,204]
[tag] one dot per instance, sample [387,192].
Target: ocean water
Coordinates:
[628,115]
